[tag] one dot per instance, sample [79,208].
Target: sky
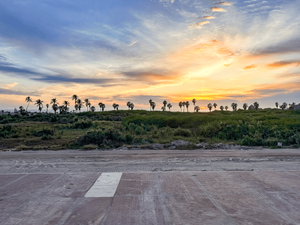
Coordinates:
[118,51]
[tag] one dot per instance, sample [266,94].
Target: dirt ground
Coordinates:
[156,187]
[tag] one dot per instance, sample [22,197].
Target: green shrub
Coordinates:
[182,132]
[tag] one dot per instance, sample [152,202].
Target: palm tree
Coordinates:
[163,108]
[226,107]
[75,97]
[150,102]
[66,104]
[245,106]
[283,106]
[21,110]
[194,102]
[131,106]
[54,107]
[39,103]
[153,105]
[180,105]
[93,108]
[76,107]
[87,103]
[47,105]
[187,104]
[79,104]
[128,105]
[54,101]
[209,106]
[222,108]
[117,106]
[256,105]
[215,105]
[276,104]
[103,107]
[196,108]
[100,105]
[169,106]
[183,105]
[234,106]
[165,103]
[28,100]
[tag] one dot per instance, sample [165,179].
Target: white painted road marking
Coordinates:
[105,186]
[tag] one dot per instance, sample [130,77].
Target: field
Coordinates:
[113,129]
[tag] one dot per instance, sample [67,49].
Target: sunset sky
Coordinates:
[116,51]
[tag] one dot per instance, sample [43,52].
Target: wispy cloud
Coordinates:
[250,67]
[207,17]
[199,25]
[223,3]
[4,91]
[283,64]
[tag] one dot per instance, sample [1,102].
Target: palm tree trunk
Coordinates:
[27,106]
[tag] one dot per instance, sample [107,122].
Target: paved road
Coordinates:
[155,187]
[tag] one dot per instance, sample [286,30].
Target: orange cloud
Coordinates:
[227,65]
[282,64]
[199,25]
[207,17]
[250,67]
[217,9]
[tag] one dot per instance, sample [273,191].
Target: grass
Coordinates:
[112,129]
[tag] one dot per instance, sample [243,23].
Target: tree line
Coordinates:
[79,104]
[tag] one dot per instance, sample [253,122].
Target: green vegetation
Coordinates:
[103,130]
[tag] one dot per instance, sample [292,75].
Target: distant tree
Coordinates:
[87,103]
[150,102]
[222,108]
[55,107]
[22,110]
[153,105]
[165,103]
[103,107]
[169,106]
[128,105]
[283,106]
[76,107]
[28,100]
[54,101]
[115,106]
[79,104]
[163,108]
[39,103]
[131,106]
[215,105]
[66,104]
[47,105]
[183,105]
[256,105]
[194,102]
[196,108]
[100,105]
[234,106]
[187,105]
[245,106]
[75,97]
[93,108]
[276,104]
[180,105]
[209,106]
[226,107]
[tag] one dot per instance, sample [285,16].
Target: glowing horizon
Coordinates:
[174,50]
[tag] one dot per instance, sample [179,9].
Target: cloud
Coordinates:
[6,68]
[223,3]
[227,65]
[9,86]
[283,64]
[217,9]
[250,67]
[207,17]
[199,25]
[4,91]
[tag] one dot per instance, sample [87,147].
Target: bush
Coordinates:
[81,125]
[43,133]
[182,132]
